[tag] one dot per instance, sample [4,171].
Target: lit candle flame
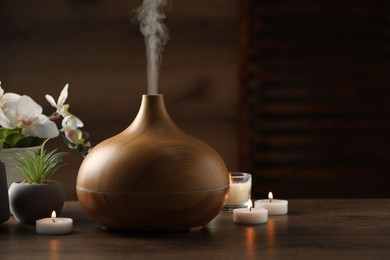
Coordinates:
[270,196]
[230,179]
[53,216]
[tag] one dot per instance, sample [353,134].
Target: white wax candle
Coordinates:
[274,207]
[250,216]
[54,226]
[239,193]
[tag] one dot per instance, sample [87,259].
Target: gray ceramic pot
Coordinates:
[4,206]
[29,202]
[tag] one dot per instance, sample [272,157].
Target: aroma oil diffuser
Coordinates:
[152,176]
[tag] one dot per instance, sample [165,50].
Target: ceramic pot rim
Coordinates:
[51,182]
[13,150]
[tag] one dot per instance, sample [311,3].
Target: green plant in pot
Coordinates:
[24,132]
[36,169]
[23,126]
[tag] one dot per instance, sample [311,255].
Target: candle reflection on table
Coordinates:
[271,233]
[53,248]
[250,239]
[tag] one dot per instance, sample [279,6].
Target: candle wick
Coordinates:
[53,220]
[270,200]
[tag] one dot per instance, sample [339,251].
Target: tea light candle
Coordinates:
[274,207]
[54,225]
[250,216]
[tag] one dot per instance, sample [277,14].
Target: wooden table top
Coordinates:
[324,229]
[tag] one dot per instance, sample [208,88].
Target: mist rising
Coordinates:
[151,16]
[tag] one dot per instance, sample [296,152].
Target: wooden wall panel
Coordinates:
[316,97]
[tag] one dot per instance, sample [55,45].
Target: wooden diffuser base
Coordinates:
[152,176]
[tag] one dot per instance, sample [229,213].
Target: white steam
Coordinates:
[151,15]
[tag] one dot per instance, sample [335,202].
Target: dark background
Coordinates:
[316,97]
[295,92]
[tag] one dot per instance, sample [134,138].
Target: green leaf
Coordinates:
[13,138]
[39,167]
[28,141]
[4,132]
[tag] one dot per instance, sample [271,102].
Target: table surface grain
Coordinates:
[323,229]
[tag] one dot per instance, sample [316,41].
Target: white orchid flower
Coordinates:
[8,99]
[61,107]
[28,116]
[8,103]
[70,125]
